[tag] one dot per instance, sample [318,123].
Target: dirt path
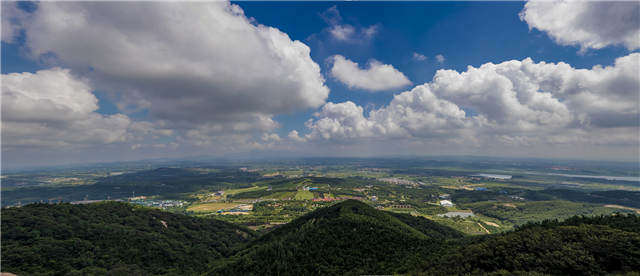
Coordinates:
[491,223]
[623,207]
[485,229]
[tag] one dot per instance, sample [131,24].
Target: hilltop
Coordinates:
[350,237]
[353,238]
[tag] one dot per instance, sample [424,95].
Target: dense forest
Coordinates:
[93,239]
[349,238]
[353,238]
[578,246]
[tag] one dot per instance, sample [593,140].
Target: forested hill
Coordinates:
[348,238]
[577,246]
[112,237]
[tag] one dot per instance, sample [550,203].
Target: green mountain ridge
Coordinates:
[347,238]
[559,249]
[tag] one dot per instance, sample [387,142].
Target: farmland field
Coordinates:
[244,190]
[304,195]
[211,207]
[279,191]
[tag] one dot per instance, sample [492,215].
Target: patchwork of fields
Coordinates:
[490,199]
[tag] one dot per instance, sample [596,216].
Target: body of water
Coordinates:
[496,176]
[456,214]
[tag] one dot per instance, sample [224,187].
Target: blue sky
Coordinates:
[465,33]
[543,107]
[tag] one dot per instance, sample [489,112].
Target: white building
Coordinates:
[446,203]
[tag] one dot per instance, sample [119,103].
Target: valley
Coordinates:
[474,197]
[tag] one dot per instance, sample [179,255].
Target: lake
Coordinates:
[495,176]
[456,214]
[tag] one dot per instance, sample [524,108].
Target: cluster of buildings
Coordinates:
[446,203]
[162,204]
[218,193]
[518,198]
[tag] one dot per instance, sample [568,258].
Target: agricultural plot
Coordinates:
[304,195]
[211,207]
[285,195]
[244,190]
[280,192]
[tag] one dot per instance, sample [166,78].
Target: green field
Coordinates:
[279,188]
[304,195]
[281,195]
[244,190]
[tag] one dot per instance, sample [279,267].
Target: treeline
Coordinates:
[625,222]
[620,197]
[520,213]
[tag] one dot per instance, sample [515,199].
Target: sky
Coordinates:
[108,81]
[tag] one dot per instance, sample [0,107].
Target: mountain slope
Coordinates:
[347,238]
[428,227]
[62,239]
[577,246]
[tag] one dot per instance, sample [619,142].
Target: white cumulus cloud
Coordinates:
[415,113]
[419,57]
[345,32]
[588,24]
[375,77]
[511,103]
[53,108]
[192,65]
